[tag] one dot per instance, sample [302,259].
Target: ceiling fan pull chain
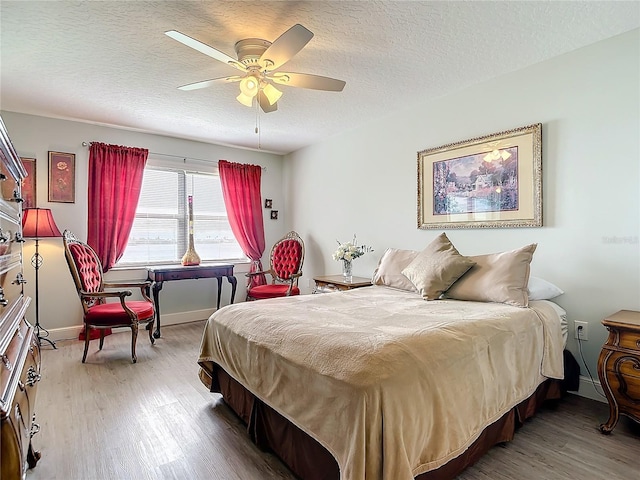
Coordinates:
[258,124]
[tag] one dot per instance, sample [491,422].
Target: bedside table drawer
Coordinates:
[630,340]
[626,389]
[620,363]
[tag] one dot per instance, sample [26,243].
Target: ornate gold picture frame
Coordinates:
[494,181]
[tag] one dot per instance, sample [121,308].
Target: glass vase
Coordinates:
[346,270]
[190,257]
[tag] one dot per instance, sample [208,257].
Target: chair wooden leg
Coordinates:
[101,338]
[87,333]
[134,337]
[153,340]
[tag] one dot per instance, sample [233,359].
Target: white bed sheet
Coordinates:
[562,317]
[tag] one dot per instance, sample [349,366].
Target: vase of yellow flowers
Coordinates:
[347,253]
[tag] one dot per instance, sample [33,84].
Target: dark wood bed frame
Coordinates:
[309,460]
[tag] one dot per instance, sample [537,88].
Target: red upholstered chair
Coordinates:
[286,260]
[86,270]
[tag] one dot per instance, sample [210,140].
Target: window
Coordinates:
[160,229]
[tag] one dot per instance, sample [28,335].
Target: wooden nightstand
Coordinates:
[332,283]
[619,367]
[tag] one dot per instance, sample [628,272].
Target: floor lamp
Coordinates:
[38,223]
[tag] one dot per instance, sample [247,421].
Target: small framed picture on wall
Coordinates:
[62,177]
[28,186]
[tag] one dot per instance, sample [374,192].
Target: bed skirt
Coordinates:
[309,460]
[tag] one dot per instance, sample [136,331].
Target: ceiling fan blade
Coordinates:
[206,49]
[285,47]
[208,83]
[264,103]
[305,80]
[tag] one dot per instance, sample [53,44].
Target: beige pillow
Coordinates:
[389,269]
[436,268]
[498,277]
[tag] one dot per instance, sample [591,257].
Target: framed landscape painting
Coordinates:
[494,181]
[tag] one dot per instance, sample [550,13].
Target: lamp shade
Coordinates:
[272,93]
[249,86]
[245,100]
[39,223]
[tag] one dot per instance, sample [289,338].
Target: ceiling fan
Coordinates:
[259,60]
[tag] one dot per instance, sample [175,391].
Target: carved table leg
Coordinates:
[610,424]
[157,286]
[219,280]
[234,283]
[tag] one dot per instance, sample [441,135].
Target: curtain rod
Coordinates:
[184,159]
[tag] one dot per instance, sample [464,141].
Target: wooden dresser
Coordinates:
[19,348]
[619,367]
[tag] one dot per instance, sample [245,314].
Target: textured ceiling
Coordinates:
[110,63]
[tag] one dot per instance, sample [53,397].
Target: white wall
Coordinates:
[364,181]
[188,300]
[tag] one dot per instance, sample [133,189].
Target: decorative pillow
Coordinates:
[497,277]
[389,269]
[540,289]
[436,268]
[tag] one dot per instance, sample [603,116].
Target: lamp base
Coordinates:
[53,344]
[41,337]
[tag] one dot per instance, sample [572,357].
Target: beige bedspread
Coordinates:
[390,384]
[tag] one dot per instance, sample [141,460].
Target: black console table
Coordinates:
[164,273]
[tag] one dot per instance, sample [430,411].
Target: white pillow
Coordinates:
[390,266]
[540,289]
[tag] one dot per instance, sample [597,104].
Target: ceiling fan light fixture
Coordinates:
[272,93]
[259,61]
[249,86]
[245,99]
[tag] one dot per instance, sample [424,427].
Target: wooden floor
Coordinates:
[109,419]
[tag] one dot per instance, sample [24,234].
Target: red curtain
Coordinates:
[243,200]
[115,181]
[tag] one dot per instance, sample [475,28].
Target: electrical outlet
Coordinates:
[581,330]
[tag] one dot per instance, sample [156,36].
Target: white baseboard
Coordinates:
[590,389]
[69,333]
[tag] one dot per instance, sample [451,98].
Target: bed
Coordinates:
[378,384]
